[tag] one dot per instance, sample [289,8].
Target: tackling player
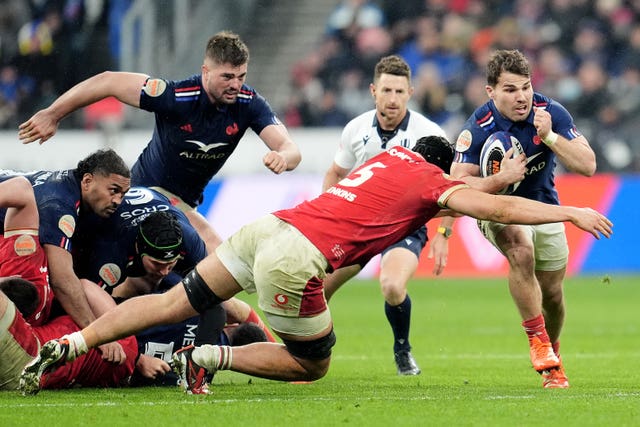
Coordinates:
[283,257]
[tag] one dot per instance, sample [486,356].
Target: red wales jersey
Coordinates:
[379,203]
[22,255]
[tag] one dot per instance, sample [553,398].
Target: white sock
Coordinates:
[77,346]
[213,357]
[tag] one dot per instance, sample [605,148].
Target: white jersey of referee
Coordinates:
[362,138]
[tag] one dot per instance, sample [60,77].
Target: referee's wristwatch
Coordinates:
[445,231]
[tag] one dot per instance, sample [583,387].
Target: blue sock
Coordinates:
[399,318]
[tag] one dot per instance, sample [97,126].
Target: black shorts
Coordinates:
[414,242]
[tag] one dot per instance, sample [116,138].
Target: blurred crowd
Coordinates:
[584,53]
[47,46]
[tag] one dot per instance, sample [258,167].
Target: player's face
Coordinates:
[222,82]
[513,96]
[157,269]
[391,94]
[103,194]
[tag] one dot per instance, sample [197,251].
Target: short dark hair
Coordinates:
[435,150]
[392,64]
[103,162]
[160,236]
[510,61]
[22,293]
[226,47]
[246,333]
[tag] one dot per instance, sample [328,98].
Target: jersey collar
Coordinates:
[404,124]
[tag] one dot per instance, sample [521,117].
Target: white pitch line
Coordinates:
[206,401]
[209,401]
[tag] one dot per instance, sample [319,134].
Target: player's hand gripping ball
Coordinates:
[492,153]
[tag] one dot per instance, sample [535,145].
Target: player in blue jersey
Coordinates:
[199,122]
[156,346]
[147,246]
[119,250]
[96,186]
[537,254]
[134,251]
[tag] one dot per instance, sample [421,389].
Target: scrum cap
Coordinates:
[160,237]
[436,150]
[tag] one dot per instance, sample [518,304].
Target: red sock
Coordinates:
[254,318]
[556,348]
[535,328]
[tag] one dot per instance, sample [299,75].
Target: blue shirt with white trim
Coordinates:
[193,137]
[105,250]
[538,183]
[58,196]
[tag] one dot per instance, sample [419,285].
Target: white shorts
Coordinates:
[274,259]
[14,352]
[549,242]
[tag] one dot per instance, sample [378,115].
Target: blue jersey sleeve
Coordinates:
[538,183]
[160,96]
[261,112]
[474,132]
[58,206]
[562,122]
[193,137]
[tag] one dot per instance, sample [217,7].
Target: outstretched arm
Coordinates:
[44,124]
[518,210]
[512,170]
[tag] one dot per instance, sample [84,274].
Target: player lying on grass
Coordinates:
[284,256]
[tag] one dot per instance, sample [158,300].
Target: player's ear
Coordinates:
[87,178]
[490,91]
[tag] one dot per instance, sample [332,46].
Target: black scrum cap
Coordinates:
[160,237]
[435,150]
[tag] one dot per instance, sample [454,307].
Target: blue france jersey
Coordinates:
[163,341]
[58,196]
[193,138]
[104,249]
[538,183]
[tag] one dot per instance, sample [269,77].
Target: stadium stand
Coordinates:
[316,68]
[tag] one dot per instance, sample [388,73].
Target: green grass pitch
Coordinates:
[467,338]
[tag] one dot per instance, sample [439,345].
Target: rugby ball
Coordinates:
[492,153]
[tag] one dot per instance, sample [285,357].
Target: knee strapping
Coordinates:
[198,292]
[313,350]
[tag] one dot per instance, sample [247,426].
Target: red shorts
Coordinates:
[22,255]
[21,343]
[88,370]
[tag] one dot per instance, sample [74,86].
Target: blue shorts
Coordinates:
[414,242]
